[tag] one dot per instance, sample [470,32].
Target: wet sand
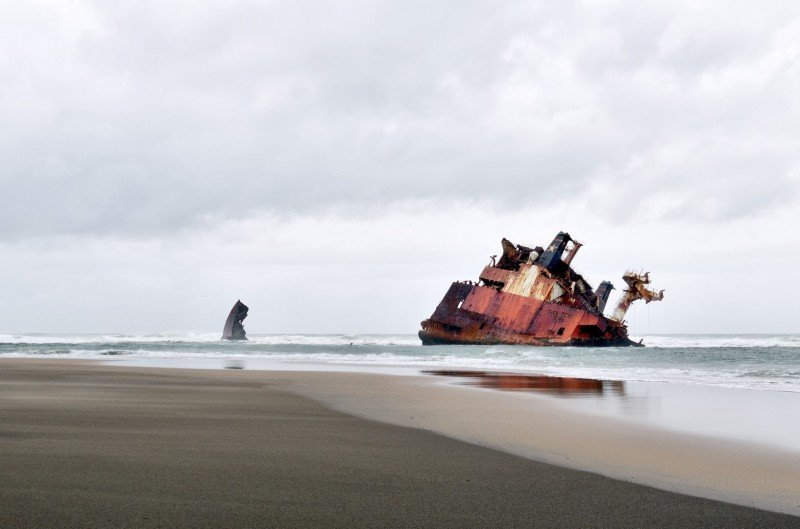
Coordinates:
[85,445]
[566,433]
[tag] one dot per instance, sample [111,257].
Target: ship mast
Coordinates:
[636,290]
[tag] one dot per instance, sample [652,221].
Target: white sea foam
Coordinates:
[106,338]
[659,341]
[744,361]
[183,337]
[719,340]
[336,339]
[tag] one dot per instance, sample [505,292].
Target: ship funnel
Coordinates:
[637,289]
[551,257]
[602,294]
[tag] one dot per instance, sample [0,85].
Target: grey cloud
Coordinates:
[136,118]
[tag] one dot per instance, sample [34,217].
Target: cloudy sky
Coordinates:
[337,164]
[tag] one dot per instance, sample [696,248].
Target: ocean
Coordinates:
[757,362]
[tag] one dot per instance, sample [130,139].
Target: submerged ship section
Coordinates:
[533,296]
[234,324]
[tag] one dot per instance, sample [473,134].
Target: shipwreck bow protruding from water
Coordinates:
[533,296]
[234,329]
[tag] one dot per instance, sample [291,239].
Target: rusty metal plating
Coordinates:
[533,296]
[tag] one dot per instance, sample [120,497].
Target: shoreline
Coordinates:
[729,414]
[542,428]
[534,427]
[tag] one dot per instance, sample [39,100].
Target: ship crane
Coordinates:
[637,289]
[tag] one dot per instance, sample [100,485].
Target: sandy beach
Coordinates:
[97,445]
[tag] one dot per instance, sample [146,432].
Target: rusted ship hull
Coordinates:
[475,314]
[533,296]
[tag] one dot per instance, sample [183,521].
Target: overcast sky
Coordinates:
[337,164]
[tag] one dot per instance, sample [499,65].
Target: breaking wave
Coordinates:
[192,338]
[742,361]
[721,340]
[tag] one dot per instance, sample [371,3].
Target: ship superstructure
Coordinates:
[533,296]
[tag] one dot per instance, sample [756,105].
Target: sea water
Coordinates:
[734,387]
[757,362]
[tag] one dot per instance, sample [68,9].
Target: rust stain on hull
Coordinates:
[533,296]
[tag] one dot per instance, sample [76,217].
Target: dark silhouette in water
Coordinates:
[234,330]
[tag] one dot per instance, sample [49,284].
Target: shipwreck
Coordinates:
[533,296]
[234,328]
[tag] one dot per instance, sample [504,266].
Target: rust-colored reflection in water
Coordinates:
[547,384]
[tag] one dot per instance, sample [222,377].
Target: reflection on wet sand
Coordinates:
[547,384]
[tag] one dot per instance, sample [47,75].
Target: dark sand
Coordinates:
[102,446]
